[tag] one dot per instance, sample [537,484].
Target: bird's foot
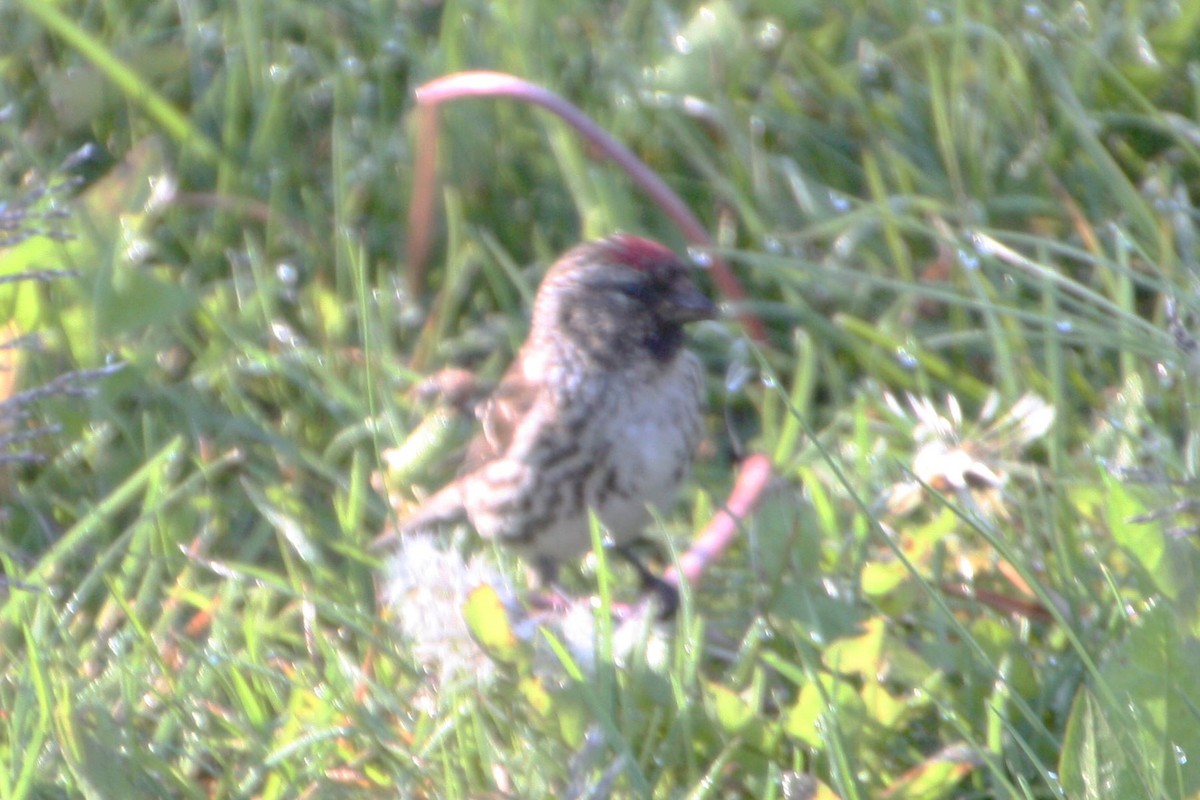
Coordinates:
[666,593]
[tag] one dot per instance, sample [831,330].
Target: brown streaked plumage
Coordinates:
[600,410]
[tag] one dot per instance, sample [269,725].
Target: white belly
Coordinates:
[644,459]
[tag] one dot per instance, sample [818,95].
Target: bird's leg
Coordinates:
[667,594]
[543,572]
[542,575]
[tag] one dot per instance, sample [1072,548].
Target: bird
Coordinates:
[600,412]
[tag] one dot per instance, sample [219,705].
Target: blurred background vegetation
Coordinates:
[970,227]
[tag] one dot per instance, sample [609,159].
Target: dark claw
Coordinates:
[545,571]
[667,594]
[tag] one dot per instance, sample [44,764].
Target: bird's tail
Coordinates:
[444,507]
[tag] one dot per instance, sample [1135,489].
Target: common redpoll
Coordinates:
[600,411]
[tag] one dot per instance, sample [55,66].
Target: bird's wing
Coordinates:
[500,415]
[526,437]
[443,507]
[508,417]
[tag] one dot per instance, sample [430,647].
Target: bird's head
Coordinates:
[619,299]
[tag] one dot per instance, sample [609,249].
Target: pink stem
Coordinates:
[498,84]
[420,211]
[715,539]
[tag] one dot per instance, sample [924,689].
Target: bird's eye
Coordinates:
[639,290]
[633,289]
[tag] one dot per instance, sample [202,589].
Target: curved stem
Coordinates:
[498,84]
[722,529]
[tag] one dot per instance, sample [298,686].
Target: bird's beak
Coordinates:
[687,304]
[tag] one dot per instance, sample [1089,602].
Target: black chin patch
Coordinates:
[665,341]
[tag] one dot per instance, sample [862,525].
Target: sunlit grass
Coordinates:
[937,211]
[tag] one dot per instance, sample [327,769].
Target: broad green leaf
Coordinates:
[1142,742]
[488,620]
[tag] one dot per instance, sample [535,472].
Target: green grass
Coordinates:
[947,201]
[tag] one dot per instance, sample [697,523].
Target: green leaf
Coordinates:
[740,714]
[1169,564]
[732,712]
[935,777]
[826,699]
[1142,742]
[488,620]
[861,655]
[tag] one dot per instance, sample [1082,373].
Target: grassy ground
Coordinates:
[969,226]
